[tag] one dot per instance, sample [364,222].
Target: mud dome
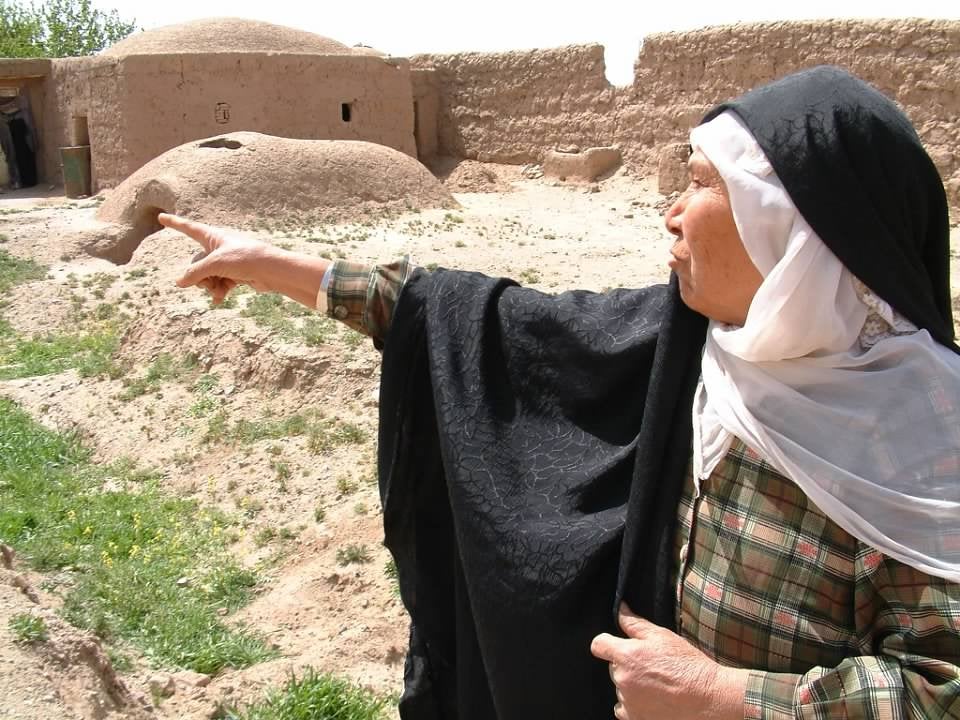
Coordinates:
[244,178]
[226,34]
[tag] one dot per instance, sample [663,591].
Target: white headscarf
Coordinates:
[832,387]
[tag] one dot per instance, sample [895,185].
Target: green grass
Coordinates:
[326,434]
[353,554]
[206,383]
[346,486]
[323,434]
[203,406]
[318,331]
[163,368]
[289,320]
[390,570]
[145,567]
[91,353]
[99,283]
[228,303]
[28,629]
[530,276]
[316,696]
[14,271]
[273,312]
[90,349]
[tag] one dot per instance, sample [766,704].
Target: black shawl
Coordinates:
[533,447]
[511,425]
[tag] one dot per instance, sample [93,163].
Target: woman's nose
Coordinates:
[672,218]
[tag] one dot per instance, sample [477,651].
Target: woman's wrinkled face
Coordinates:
[717,277]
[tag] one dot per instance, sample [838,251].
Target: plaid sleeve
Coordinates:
[363,296]
[910,625]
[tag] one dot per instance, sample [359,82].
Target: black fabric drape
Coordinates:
[511,427]
[856,170]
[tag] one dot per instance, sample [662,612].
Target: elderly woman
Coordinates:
[761,459]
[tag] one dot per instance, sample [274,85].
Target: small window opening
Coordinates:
[346,111]
[81,132]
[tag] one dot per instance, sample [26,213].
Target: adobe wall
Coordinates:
[678,77]
[167,100]
[514,107]
[85,87]
[511,107]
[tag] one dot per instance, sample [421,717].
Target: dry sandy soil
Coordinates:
[344,620]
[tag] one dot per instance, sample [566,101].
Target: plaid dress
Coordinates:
[829,626]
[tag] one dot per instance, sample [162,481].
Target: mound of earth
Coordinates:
[246,179]
[470,176]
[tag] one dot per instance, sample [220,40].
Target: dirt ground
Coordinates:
[344,620]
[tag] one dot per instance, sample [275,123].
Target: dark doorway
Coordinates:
[23,148]
[18,138]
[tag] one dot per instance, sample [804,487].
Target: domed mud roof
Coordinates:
[245,179]
[226,35]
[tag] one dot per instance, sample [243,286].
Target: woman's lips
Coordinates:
[674,261]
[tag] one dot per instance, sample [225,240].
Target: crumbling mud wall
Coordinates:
[514,107]
[679,76]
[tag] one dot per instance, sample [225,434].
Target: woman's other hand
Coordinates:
[658,674]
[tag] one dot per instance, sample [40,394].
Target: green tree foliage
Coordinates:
[21,33]
[58,28]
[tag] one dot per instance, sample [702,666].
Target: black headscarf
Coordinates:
[856,170]
[533,447]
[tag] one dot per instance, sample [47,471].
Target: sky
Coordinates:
[419,26]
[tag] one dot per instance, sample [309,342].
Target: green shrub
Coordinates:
[316,696]
[28,629]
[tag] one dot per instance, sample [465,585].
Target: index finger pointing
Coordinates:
[198,231]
